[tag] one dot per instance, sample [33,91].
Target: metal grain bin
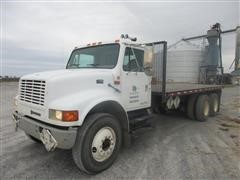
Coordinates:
[183,61]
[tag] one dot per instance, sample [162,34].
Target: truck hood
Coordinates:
[62,83]
[65,73]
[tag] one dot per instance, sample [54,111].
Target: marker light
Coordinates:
[117,80]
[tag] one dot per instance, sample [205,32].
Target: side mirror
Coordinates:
[148,60]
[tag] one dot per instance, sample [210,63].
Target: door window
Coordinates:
[133,60]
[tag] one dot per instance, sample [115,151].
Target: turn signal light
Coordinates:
[70,116]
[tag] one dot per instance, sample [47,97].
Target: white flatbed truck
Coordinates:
[105,93]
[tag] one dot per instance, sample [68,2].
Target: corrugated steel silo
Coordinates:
[183,62]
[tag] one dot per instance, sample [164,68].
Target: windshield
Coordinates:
[103,56]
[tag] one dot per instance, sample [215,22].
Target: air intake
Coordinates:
[32,91]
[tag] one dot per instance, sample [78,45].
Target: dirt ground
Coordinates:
[176,148]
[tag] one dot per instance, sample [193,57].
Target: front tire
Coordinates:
[98,143]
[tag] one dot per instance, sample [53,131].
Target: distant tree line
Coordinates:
[9,78]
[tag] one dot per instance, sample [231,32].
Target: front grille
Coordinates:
[32,91]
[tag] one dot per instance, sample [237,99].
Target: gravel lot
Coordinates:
[176,148]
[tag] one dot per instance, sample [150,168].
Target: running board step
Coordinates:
[141,122]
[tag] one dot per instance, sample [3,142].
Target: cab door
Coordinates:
[136,85]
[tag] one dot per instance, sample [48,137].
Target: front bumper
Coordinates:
[65,136]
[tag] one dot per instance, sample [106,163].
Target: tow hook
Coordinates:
[16,122]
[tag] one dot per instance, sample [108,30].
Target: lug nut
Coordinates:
[94,149]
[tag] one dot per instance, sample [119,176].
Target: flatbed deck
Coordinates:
[173,89]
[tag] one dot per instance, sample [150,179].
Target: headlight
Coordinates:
[58,115]
[67,116]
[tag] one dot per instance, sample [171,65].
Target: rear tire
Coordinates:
[202,108]
[214,104]
[98,143]
[191,106]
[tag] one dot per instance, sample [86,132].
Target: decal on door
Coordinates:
[134,95]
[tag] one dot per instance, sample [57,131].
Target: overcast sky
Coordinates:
[39,36]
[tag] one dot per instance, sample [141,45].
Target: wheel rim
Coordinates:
[215,105]
[206,108]
[103,144]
